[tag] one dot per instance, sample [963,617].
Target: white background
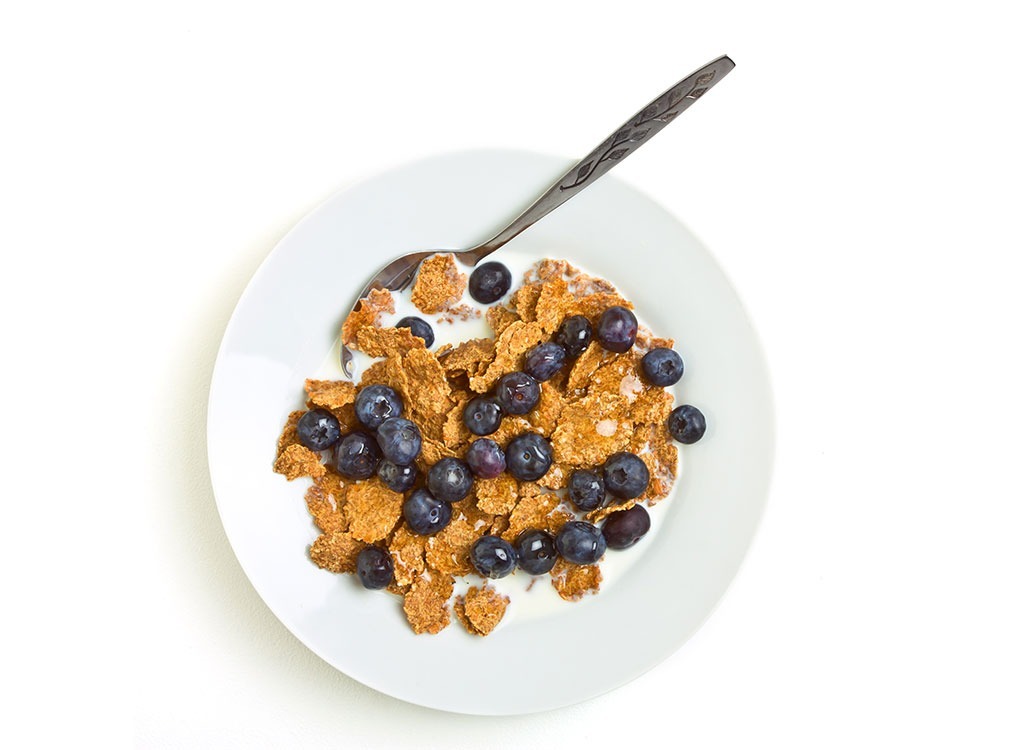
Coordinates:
[856,175]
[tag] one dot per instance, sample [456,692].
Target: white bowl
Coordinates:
[286,322]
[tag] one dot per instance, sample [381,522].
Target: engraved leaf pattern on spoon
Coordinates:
[653,117]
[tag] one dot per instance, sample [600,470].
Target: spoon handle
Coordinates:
[634,133]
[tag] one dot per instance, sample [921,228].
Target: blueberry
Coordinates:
[580,542]
[626,475]
[528,457]
[626,527]
[489,282]
[400,440]
[486,459]
[419,328]
[450,480]
[395,477]
[662,366]
[425,514]
[617,329]
[517,392]
[482,416]
[377,403]
[574,335]
[318,430]
[586,489]
[544,360]
[374,567]
[357,456]
[493,557]
[536,552]
[686,424]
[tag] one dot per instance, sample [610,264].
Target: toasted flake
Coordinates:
[468,357]
[530,513]
[330,394]
[426,603]
[439,284]
[497,496]
[373,509]
[545,415]
[556,519]
[653,444]
[297,461]
[499,318]
[652,406]
[509,353]
[427,396]
[553,305]
[431,452]
[600,514]
[448,551]
[454,432]
[367,314]
[553,268]
[647,341]
[288,435]
[510,427]
[388,371]
[327,502]
[574,581]
[593,305]
[585,366]
[577,440]
[387,342]
[557,476]
[336,551]
[525,300]
[408,552]
[483,609]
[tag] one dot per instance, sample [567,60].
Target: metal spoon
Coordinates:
[398,274]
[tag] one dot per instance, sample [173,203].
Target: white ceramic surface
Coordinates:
[287,320]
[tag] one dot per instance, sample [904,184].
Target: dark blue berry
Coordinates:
[580,542]
[493,557]
[425,514]
[617,329]
[450,480]
[377,403]
[528,457]
[489,282]
[517,393]
[544,360]
[482,416]
[357,456]
[626,475]
[686,424]
[536,552]
[400,440]
[625,528]
[318,430]
[395,477]
[419,328]
[575,335]
[662,366]
[586,489]
[374,567]
[486,459]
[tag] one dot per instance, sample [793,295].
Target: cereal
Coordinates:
[574,581]
[387,342]
[408,552]
[327,502]
[373,509]
[600,514]
[439,284]
[329,394]
[336,551]
[425,602]
[497,496]
[297,461]
[600,403]
[288,436]
[513,342]
[499,318]
[367,313]
[481,609]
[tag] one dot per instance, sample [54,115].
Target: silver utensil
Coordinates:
[635,132]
